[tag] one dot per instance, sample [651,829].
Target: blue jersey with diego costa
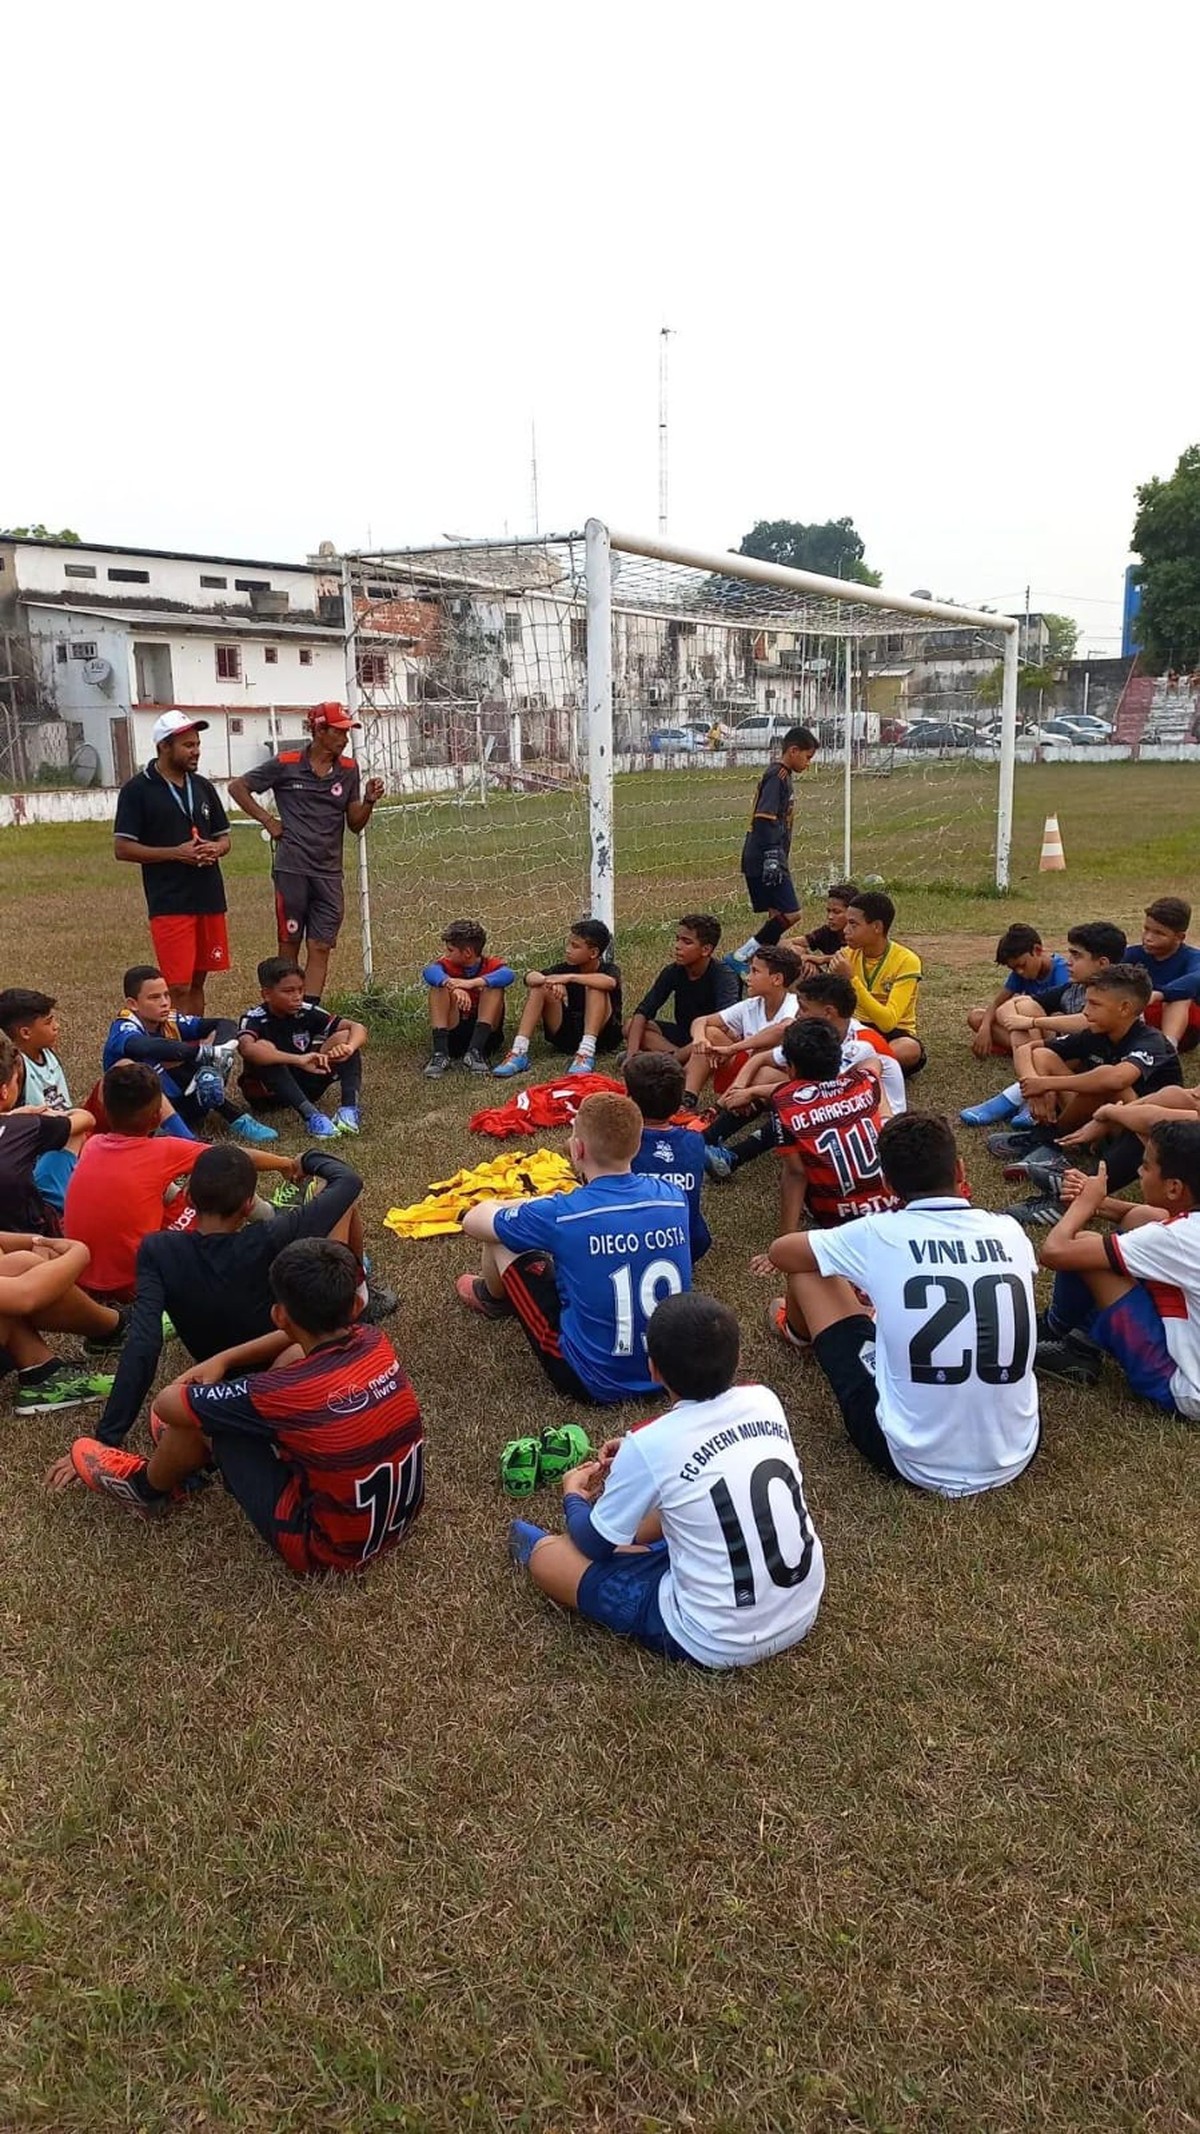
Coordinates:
[619,1246]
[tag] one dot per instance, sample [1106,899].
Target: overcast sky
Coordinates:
[278,273]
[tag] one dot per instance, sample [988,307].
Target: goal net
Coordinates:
[528,784]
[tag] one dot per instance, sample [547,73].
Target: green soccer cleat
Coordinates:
[66,1387]
[563,1446]
[519,1467]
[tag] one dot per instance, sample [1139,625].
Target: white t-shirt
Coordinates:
[856,1052]
[956,1327]
[747,1017]
[46,1083]
[1166,1257]
[747,1570]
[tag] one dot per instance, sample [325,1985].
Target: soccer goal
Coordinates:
[576,723]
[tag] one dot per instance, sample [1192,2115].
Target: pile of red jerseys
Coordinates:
[544,1104]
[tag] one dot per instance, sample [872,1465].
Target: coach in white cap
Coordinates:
[171,822]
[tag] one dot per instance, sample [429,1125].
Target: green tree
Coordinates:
[38,533]
[1166,535]
[832,547]
[1064,636]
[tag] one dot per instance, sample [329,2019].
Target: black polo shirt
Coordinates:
[152,811]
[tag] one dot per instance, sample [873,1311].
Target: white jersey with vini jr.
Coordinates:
[956,1328]
[746,1567]
[1166,1258]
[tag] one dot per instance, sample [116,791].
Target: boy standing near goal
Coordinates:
[766,851]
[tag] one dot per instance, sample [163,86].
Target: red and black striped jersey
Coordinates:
[347,1431]
[834,1127]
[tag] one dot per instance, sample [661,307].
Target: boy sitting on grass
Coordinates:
[29,1019]
[937,1389]
[314,1430]
[1174,968]
[577,1003]
[691,1535]
[192,1055]
[583,1271]
[655,1083]
[696,985]
[1035,974]
[212,1281]
[1133,1295]
[27,1138]
[829,998]
[885,976]
[294,1050]
[466,999]
[121,1190]
[39,1291]
[825,1122]
[1091,948]
[750,1027]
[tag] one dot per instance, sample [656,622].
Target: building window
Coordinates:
[215,585]
[229,663]
[79,570]
[60,654]
[84,648]
[271,655]
[512,629]
[251,585]
[381,592]
[237,726]
[123,577]
[306,655]
[579,637]
[372,670]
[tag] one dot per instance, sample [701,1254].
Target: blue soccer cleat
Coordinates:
[247,1128]
[320,1128]
[583,1063]
[718,1165]
[515,1063]
[346,1120]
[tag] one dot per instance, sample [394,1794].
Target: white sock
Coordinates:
[1013,1093]
[747,948]
[520,1044]
[587,1049]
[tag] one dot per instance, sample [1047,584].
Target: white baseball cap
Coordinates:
[173,723]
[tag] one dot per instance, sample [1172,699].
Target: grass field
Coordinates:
[416,1853]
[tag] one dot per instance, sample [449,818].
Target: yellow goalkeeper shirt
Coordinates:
[885,991]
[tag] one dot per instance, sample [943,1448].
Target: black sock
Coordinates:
[441,1041]
[725,1123]
[770,933]
[36,1374]
[689,1101]
[144,1488]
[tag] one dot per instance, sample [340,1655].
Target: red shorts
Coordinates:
[187,942]
[1191,1036]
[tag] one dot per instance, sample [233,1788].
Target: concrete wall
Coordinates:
[55,571]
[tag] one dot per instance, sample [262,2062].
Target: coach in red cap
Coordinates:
[317,793]
[171,823]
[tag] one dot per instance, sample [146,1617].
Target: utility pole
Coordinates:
[663,338]
[533,482]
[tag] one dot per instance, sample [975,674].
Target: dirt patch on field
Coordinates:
[954,952]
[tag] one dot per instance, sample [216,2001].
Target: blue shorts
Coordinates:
[781,896]
[621,1594]
[1131,1330]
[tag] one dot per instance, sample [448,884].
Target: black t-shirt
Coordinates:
[770,819]
[1152,1054]
[152,811]
[825,941]
[718,988]
[24,1136]
[215,1287]
[303,1032]
[576,1004]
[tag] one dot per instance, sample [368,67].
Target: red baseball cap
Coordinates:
[332,715]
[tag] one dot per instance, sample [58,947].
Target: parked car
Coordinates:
[1070,732]
[673,741]
[763,733]
[944,735]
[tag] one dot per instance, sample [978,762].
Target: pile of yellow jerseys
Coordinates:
[513,1177]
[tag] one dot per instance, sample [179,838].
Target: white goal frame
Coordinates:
[602,543]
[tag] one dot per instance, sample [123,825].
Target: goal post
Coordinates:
[573,723]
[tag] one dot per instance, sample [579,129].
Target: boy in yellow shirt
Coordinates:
[884,975]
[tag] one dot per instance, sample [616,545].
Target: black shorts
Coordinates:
[531,1289]
[569,1035]
[675,1033]
[781,896]
[839,1352]
[468,1031]
[309,907]
[256,1480]
[908,1072]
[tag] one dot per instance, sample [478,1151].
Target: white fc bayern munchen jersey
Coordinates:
[747,1017]
[956,1328]
[746,1566]
[1166,1257]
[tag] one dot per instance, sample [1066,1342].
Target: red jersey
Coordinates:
[834,1128]
[347,1431]
[115,1199]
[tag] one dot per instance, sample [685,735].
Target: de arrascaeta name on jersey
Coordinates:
[721,1440]
[624,1243]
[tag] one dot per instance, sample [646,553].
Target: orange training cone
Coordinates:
[1053,859]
